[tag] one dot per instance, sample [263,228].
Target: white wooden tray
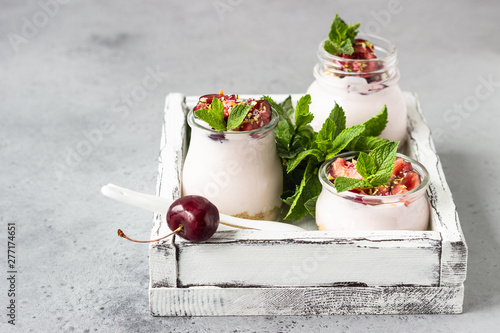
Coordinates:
[312,272]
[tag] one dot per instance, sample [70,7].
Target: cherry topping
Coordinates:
[258,116]
[363,50]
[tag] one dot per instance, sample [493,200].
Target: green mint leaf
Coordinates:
[332,48]
[218,106]
[288,107]
[341,37]
[214,117]
[352,32]
[380,178]
[309,188]
[311,206]
[302,114]
[347,47]
[337,28]
[306,132]
[301,142]
[325,136]
[338,116]
[343,139]
[345,184]
[283,133]
[367,143]
[284,114]
[384,156]
[365,165]
[301,156]
[236,115]
[327,131]
[375,125]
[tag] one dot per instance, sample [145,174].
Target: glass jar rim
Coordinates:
[390,50]
[264,129]
[416,192]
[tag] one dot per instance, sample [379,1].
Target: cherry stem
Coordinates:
[237,226]
[121,234]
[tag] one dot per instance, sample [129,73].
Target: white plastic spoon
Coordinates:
[160,205]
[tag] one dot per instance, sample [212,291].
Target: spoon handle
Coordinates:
[160,205]
[147,202]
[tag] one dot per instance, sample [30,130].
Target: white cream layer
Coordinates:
[359,103]
[334,212]
[239,175]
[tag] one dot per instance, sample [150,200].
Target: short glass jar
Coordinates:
[362,93]
[353,211]
[238,171]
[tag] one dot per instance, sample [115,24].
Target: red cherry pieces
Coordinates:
[192,217]
[403,178]
[363,50]
[259,115]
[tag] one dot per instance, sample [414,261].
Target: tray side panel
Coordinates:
[162,255]
[444,214]
[213,301]
[302,260]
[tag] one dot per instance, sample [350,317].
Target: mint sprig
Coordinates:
[214,115]
[237,115]
[375,167]
[302,150]
[341,37]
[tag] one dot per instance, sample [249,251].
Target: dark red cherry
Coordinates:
[192,217]
[259,116]
[198,217]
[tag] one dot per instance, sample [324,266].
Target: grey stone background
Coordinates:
[70,70]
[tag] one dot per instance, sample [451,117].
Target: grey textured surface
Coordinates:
[80,108]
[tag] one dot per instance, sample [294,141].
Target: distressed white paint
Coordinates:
[214,301]
[162,255]
[363,272]
[444,215]
[321,262]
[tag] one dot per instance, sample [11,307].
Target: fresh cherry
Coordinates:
[192,217]
[197,217]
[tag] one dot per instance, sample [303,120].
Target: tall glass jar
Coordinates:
[363,93]
[353,211]
[239,171]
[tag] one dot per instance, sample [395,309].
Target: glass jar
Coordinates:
[353,211]
[240,172]
[361,94]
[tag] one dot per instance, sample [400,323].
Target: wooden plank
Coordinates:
[257,258]
[443,214]
[214,301]
[162,255]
